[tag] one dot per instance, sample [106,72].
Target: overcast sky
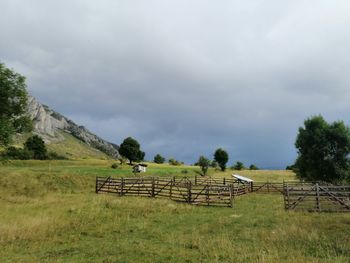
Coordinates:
[185,77]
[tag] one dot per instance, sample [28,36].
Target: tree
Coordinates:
[159,159]
[204,164]
[323,150]
[238,166]
[130,149]
[13,103]
[253,167]
[36,145]
[221,157]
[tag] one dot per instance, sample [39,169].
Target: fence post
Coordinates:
[286,205]
[96,187]
[224,181]
[207,193]
[153,185]
[231,195]
[189,193]
[251,187]
[268,186]
[195,179]
[172,182]
[318,198]
[121,186]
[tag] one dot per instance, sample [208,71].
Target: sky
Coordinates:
[185,77]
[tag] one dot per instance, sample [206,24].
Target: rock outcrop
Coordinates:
[47,123]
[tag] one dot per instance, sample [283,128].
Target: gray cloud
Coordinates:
[186,77]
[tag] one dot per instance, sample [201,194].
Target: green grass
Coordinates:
[50,213]
[70,147]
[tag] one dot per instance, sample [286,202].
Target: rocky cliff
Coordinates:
[48,123]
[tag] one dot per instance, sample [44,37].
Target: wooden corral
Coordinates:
[315,197]
[209,191]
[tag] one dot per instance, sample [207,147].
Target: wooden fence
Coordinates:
[315,197]
[210,192]
[274,187]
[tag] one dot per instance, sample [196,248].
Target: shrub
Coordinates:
[115,166]
[253,167]
[172,161]
[238,166]
[17,154]
[36,145]
[159,159]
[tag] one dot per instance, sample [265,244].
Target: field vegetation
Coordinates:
[50,213]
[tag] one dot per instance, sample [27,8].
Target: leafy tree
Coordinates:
[204,164]
[13,103]
[238,166]
[159,159]
[323,150]
[130,149]
[221,157]
[253,167]
[36,145]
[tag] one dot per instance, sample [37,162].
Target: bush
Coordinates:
[253,167]
[115,166]
[184,171]
[17,154]
[36,145]
[159,159]
[56,156]
[172,161]
[238,166]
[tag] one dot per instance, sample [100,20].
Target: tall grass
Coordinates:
[55,216]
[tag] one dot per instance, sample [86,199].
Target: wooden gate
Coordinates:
[320,198]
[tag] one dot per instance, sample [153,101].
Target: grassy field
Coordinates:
[50,213]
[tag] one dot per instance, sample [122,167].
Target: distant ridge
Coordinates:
[50,124]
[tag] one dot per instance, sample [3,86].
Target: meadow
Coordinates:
[49,212]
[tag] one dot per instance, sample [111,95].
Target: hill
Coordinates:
[65,137]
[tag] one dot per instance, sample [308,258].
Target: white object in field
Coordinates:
[140,168]
[242,178]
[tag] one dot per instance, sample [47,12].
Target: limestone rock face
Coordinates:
[47,122]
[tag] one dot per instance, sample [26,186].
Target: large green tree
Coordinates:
[130,149]
[13,103]
[323,150]
[221,157]
[36,145]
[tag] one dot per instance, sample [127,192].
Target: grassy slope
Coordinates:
[70,147]
[49,213]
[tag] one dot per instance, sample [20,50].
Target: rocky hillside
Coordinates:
[50,125]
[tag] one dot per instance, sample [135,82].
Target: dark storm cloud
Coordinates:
[186,77]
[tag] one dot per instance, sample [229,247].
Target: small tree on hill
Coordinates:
[36,145]
[159,159]
[323,150]
[204,164]
[238,166]
[221,157]
[130,149]
[253,167]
